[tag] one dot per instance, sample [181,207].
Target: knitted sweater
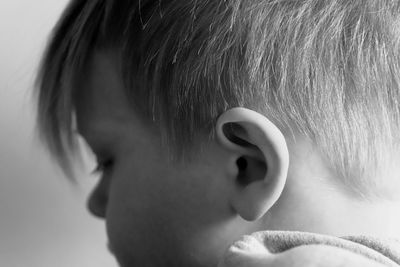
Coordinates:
[289,249]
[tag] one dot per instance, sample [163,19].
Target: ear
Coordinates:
[262,160]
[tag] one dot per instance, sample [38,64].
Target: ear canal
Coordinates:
[250,170]
[242,168]
[262,160]
[241,163]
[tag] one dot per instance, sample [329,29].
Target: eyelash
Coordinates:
[103,166]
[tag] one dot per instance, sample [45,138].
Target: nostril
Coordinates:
[97,202]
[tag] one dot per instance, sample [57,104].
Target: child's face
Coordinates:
[157,213]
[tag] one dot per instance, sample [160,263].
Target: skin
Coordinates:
[157,213]
[163,213]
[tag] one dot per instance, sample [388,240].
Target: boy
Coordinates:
[193,109]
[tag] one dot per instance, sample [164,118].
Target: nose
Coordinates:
[97,202]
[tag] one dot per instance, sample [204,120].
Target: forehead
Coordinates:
[100,96]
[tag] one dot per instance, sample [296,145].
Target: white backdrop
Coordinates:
[43,218]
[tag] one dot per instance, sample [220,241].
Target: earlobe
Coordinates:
[262,160]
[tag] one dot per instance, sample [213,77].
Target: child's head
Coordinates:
[148,80]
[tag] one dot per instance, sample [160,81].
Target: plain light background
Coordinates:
[43,217]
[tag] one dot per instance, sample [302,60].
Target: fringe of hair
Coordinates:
[329,69]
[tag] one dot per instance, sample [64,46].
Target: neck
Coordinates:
[314,202]
[313,205]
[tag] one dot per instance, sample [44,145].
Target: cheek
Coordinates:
[132,224]
[164,211]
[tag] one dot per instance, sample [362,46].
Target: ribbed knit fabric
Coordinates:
[283,248]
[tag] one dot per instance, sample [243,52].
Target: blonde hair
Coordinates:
[328,68]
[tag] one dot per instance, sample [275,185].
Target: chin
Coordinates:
[153,261]
[131,260]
